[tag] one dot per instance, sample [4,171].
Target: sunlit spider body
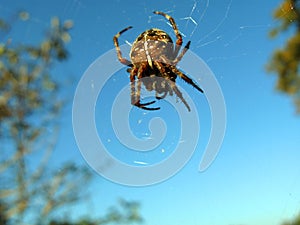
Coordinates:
[150,46]
[153,61]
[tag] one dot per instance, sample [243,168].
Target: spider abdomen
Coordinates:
[153,60]
[152,45]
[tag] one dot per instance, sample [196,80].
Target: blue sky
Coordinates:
[255,178]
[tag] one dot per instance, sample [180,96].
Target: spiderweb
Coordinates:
[215,29]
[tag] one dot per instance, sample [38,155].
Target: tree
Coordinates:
[126,213]
[30,103]
[295,221]
[285,61]
[29,108]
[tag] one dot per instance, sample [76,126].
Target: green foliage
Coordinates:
[31,191]
[285,61]
[29,107]
[287,15]
[26,84]
[296,221]
[126,213]
[3,218]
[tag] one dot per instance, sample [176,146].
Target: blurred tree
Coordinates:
[29,106]
[126,213]
[296,221]
[285,61]
[30,102]
[3,208]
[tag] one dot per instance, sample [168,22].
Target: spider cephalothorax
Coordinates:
[153,62]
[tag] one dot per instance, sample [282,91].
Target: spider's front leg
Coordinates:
[176,31]
[179,57]
[119,53]
[136,95]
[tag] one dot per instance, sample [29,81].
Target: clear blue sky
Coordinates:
[255,178]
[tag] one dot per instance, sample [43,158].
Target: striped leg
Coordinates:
[119,53]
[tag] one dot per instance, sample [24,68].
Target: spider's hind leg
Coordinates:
[161,96]
[172,84]
[136,102]
[179,94]
[185,78]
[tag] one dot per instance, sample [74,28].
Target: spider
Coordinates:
[153,62]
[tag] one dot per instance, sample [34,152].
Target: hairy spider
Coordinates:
[153,61]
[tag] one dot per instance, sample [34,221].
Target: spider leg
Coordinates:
[162,96]
[133,73]
[166,76]
[179,94]
[173,85]
[185,78]
[136,95]
[119,53]
[176,31]
[179,57]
